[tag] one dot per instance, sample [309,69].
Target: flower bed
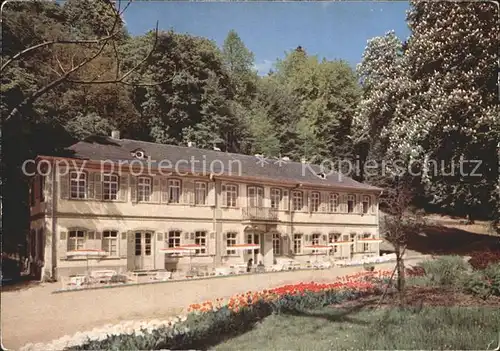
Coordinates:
[206,323]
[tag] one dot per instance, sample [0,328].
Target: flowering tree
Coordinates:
[437,102]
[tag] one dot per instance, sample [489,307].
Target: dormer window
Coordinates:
[139,154]
[321,175]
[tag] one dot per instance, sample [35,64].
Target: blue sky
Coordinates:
[335,30]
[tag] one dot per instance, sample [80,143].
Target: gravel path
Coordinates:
[37,315]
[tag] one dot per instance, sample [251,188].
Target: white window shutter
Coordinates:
[285,200]
[62,245]
[123,245]
[211,194]
[64,186]
[98,186]
[90,240]
[373,205]
[343,203]
[223,196]
[98,241]
[305,198]
[240,200]
[164,190]
[91,185]
[124,188]
[323,205]
[156,189]
[187,189]
[191,193]
[133,189]
[211,244]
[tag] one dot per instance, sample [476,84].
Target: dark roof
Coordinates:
[105,148]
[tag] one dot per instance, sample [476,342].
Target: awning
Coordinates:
[87,252]
[340,243]
[190,247]
[174,250]
[370,240]
[243,247]
[318,247]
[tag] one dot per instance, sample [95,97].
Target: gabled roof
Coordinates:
[218,162]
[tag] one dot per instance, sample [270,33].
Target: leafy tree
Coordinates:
[239,61]
[83,126]
[327,93]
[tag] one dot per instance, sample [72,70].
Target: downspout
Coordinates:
[214,221]
[53,218]
[290,245]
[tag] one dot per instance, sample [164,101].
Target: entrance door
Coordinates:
[254,238]
[143,250]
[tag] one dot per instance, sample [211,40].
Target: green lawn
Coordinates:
[455,328]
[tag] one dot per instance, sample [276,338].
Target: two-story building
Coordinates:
[131,200]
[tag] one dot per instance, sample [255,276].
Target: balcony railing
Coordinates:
[260,214]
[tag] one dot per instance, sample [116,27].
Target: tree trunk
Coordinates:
[400,267]
[470,218]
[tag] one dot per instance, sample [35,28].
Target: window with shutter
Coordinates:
[78,185]
[174,191]
[200,193]
[110,186]
[297,243]
[314,201]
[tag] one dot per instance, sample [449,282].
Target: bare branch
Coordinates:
[30,99]
[60,65]
[122,79]
[66,42]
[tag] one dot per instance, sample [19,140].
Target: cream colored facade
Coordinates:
[66,215]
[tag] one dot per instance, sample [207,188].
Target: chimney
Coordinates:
[303,160]
[115,134]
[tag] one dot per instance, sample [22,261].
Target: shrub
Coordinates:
[446,271]
[484,283]
[482,259]
[416,271]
